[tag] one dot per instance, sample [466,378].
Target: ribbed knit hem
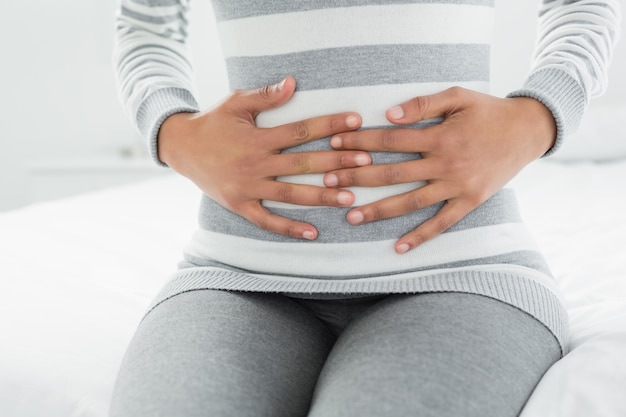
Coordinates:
[514,289]
[561,94]
[159,106]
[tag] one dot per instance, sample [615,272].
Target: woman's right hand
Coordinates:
[236,163]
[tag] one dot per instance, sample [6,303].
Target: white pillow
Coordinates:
[600,137]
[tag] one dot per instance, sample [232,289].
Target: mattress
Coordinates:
[78,273]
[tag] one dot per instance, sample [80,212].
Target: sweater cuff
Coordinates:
[157,107]
[561,94]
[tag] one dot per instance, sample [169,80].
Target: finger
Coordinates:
[253,102]
[450,214]
[265,220]
[386,140]
[304,195]
[398,205]
[303,131]
[384,174]
[312,162]
[428,107]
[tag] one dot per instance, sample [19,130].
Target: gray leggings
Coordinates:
[215,353]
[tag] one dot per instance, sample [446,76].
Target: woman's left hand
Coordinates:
[482,143]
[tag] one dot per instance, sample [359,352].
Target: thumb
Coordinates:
[428,107]
[265,98]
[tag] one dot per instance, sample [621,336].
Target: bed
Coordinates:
[78,273]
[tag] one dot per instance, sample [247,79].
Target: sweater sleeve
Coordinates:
[574,48]
[154,74]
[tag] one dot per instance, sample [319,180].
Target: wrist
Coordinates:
[539,122]
[172,132]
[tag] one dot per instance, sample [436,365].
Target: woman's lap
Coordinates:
[213,353]
[435,354]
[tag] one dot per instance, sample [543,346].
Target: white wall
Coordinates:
[58,101]
[59,56]
[58,95]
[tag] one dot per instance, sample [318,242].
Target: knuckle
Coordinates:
[265,93]
[477,198]
[353,178]
[376,213]
[290,230]
[325,198]
[285,193]
[455,166]
[348,177]
[346,160]
[417,238]
[441,224]
[421,103]
[336,125]
[469,183]
[262,140]
[389,140]
[456,91]
[414,202]
[343,160]
[438,144]
[300,131]
[246,168]
[392,174]
[301,163]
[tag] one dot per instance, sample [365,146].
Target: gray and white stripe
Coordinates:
[374,25]
[240,9]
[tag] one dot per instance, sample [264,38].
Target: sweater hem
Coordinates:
[514,286]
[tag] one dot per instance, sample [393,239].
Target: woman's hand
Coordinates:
[236,163]
[482,143]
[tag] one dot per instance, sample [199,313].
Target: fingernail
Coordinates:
[331,180]
[396,112]
[355,217]
[336,142]
[403,248]
[362,160]
[352,121]
[281,85]
[344,198]
[308,235]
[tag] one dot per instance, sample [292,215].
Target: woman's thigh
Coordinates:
[214,353]
[435,354]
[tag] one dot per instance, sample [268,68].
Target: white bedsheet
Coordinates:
[77,274]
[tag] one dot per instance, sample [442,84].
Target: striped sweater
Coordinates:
[364,56]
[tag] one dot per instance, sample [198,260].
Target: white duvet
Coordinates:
[77,274]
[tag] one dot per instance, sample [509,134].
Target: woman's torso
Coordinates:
[362,56]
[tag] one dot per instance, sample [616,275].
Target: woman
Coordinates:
[356,253]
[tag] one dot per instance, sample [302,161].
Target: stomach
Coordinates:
[490,234]
[371,102]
